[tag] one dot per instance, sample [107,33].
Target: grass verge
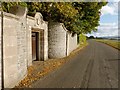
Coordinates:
[113,43]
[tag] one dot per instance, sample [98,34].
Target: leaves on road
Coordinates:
[41,68]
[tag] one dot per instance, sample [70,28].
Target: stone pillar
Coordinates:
[56,40]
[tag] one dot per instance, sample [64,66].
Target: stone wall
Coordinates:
[17,45]
[30,23]
[0,54]
[72,43]
[38,23]
[60,42]
[17,49]
[56,40]
[14,49]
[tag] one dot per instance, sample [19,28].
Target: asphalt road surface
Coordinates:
[96,66]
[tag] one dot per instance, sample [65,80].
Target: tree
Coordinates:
[78,17]
[6,5]
[91,37]
[88,17]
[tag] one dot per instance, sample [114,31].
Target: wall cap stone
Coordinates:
[29,17]
[10,15]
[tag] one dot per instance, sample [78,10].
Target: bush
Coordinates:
[82,39]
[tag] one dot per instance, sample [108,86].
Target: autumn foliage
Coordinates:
[78,17]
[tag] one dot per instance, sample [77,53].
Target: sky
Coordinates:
[108,20]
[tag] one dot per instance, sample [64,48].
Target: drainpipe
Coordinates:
[2,63]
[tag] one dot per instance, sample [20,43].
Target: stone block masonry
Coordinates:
[53,40]
[56,40]
[17,41]
[72,43]
[14,49]
[33,24]
[60,42]
[0,55]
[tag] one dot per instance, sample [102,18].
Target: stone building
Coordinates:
[60,41]
[24,40]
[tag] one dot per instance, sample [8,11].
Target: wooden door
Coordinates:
[34,46]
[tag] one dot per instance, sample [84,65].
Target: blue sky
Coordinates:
[108,20]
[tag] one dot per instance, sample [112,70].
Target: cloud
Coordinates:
[113,0]
[111,8]
[107,24]
[106,29]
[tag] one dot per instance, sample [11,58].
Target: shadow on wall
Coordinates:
[18,11]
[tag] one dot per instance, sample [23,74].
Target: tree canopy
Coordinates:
[78,17]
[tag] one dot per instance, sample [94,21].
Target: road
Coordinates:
[96,66]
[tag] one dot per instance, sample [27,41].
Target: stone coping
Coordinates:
[29,17]
[10,15]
